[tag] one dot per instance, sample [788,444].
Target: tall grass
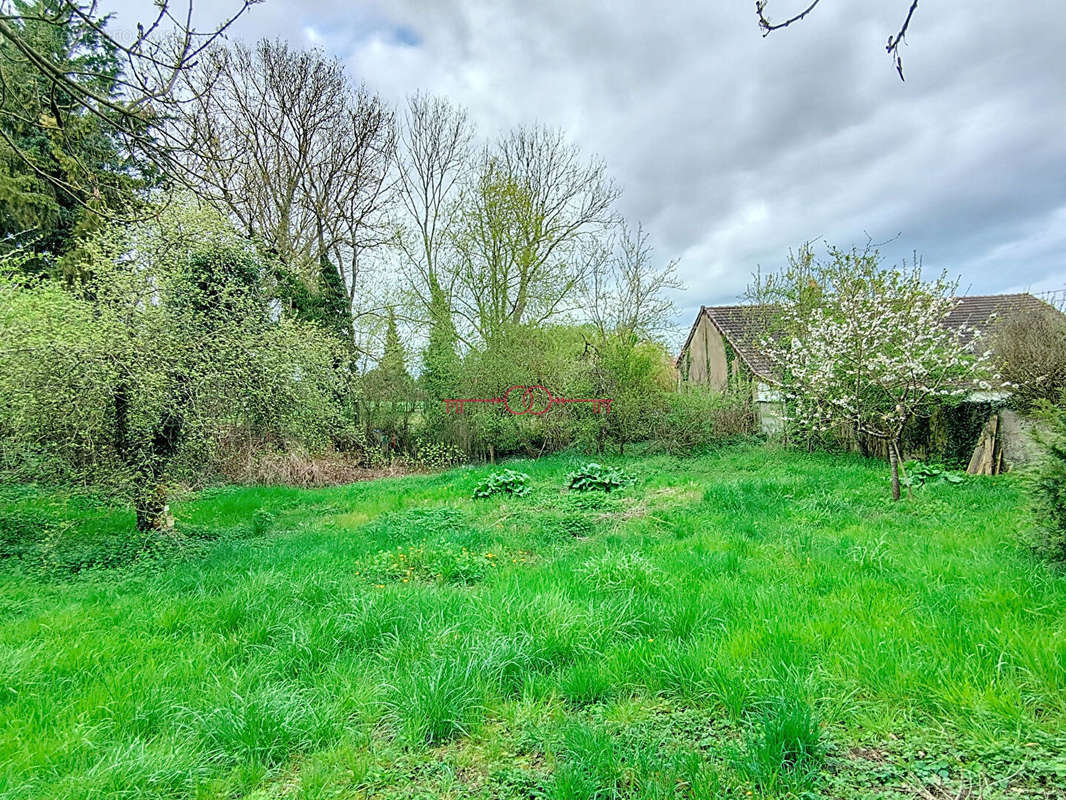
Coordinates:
[748,620]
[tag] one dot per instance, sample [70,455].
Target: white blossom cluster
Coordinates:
[873,352]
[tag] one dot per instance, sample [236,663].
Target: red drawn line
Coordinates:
[532,398]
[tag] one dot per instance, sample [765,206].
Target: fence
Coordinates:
[1054,297]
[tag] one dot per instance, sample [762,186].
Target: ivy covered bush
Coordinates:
[1047,484]
[593,477]
[506,481]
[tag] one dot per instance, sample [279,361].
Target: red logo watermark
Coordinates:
[534,400]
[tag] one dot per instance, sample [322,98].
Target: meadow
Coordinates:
[749,622]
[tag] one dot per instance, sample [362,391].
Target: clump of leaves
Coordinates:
[261,521]
[440,562]
[918,473]
[506,481]
[595,477]
[435,455]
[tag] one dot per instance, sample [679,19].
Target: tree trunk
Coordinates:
[492,453]
[151,507]
[893,460]
[150,492]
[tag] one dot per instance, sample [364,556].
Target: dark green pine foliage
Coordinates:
[393,367]
[333,307]
[62,169]
[324,302]
[390,392]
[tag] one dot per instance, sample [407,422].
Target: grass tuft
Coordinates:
[785,752]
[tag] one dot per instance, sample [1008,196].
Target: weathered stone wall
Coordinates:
[1016,431]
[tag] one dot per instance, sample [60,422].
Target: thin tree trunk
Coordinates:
[893,459]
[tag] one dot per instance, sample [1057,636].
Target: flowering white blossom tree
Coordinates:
[863,346]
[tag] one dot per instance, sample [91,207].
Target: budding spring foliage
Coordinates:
[170,324]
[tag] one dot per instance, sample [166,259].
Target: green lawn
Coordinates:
[746,621]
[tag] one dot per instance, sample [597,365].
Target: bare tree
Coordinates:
[626,293]
[434,156]
[530,234]
[300,158]
[141,99]
[892,48]
[1030,355]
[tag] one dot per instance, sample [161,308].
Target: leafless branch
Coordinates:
[301,159]
[133,106]
[768,26]
[894,42]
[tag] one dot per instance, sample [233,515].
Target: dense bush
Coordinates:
[570,362]
[638,377]
[521,355]
[136,376]
[696,417]
[1030,354]
[1047,483]
[435,455]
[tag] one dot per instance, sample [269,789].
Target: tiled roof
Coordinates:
[742,325]
[977,311]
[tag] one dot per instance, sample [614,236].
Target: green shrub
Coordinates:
[593,477]
[506,481]
[261,521]
[435,455]
[1047,483]
[696,417]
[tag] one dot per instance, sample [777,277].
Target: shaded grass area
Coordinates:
[744,621]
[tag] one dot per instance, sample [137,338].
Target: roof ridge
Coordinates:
[957,297]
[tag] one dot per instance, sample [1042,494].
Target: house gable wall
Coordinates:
[705,357]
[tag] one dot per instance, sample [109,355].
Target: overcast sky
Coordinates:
[733,148]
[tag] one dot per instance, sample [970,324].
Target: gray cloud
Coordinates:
[733,147]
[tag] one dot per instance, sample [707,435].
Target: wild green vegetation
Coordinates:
[1047,483]
[751,620]
[286,279]
[225,264]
